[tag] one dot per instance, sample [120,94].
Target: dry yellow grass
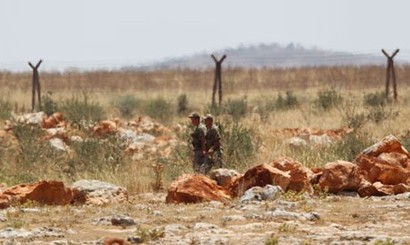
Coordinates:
[254,85]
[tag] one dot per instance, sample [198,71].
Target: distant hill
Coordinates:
[272,55]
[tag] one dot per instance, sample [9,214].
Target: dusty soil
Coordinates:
[287,220]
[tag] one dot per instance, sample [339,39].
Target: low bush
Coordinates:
[5,109]
[352,116]
[127,105]
[159,109]
[49,105]
[327,99]
[81,110]
[236,108]
[290,101]
[376,99]
[378,114]
[182,104]
[240,145]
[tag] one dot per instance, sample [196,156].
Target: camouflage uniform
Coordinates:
[213,147]
[200,161]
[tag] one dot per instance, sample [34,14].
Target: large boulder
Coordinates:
[378,189]
[387,162]
[44,192]
[260,175]
[388,144]
[300,176]
[386,172]
[95,192]
[195,188]
[224,177]
[340,176]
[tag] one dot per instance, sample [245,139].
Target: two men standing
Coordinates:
[206,144]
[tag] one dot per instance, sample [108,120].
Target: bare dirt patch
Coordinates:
[147,219]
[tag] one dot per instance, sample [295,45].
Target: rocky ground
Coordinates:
[147,219]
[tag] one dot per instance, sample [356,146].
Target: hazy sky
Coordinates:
[102,33]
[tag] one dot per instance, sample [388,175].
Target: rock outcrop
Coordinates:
[195,188]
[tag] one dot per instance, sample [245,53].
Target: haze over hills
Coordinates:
[273,55]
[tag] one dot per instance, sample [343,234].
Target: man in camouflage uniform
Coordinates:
[213,145]
[200,161]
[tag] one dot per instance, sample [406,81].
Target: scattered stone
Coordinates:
[122,221]
[43,192]
[269,192]
[224,177]
[195,188]
[97,192]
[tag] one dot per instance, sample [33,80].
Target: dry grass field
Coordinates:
[250,98]
[258,106]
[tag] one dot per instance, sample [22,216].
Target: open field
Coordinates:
[259,105]
[336,220]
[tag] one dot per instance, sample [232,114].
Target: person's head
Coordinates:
[195,118]
[209,119]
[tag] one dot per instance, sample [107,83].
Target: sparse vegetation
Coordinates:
[5,109]
[159,109]
[81,110]
[236,108]
[49,104]
[182,104]
[376,99]
[246,142]
[127,105]
[328,98]
[289,102]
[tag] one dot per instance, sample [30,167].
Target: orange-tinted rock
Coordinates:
[300,176]
[43,192]
[379,189]
[115,241]
[396,158]
[388,144]
[260,175]
[54,121]
[375,169]
[195,188]
[224,177]
[107,127]
[368,189]
[340,176]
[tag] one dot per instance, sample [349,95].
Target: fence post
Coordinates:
[217,79]
[35,85]
[390,71]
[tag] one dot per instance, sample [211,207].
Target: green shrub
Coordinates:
[49,105]
[127,105]
[5,109]
[159,109]
[181,157]
[182,104]
[289,102]
[380,113]
[272,240]
[34,156]
[327,99]
[352,117]
[405,140]
[351,145]
[96,155]
[80,110]
[215,109]
[375,99]
[239,144]
[265,106]
[388,241]
[236,108]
